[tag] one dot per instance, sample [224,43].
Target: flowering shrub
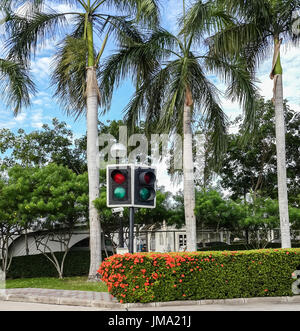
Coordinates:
[154,277]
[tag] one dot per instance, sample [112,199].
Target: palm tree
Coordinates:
[16,85]
[172,88]
[260,28]
[76,65]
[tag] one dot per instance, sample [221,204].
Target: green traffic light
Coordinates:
[120,193]
[145,194]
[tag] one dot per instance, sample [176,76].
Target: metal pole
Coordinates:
[131,230]
[121,232]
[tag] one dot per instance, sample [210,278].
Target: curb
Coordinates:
[238,301]
[102,304]
[59,301]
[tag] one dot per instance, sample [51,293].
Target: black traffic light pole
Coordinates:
[131,230]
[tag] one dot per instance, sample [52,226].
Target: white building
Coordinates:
[146,239]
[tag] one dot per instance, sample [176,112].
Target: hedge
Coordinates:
[36,266]
[241,247]
[153,277]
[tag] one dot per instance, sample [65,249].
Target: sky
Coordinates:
[44,108]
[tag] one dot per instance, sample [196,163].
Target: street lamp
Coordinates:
[118,151]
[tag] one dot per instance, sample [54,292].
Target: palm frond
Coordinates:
[14,4]
[138,59]
[150,99]
[207,102]
[15,85]
[204,18]
[26,33]
[122,29]
[144,11]
[240,81]
[69,75]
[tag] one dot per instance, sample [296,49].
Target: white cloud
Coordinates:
[291,77]
[41,67]
[21,117]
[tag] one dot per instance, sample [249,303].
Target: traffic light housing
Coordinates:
[144,189]
[119,186]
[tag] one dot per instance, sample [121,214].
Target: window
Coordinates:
[182,240]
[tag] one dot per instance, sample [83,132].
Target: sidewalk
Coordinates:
[105,300]
[61,297]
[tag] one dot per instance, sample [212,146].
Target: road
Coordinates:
[22,306]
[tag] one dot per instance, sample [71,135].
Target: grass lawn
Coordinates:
[68,283]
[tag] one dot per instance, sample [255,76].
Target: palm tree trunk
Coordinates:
[92,96]
[281,149]
[93,171]
[281,166]
[188,170]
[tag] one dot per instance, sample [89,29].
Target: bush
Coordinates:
[241,247]
[36,266]
[156,277]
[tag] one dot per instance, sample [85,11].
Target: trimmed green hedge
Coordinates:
[241,247]
[36,266]
[155,277]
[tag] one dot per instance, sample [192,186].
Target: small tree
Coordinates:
[10,222]
[59,202]
[214,211]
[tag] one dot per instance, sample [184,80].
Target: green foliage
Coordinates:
[49,200]
[53,193]
[253,167]
[165,67]
[38,148]
[196,276]
[213,211]
[15,84]
[25,33]
[35,266]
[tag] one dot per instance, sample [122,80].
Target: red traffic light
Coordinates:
[118,177]
[147,178]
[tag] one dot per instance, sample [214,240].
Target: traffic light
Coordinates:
[144,187]
[119,191]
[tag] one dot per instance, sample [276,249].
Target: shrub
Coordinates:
[241,247]
[36,266]
[197,276]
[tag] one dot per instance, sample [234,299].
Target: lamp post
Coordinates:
[118,151]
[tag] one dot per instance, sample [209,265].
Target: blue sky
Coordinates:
[44,107]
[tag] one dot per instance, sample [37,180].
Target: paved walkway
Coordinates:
[81,300]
